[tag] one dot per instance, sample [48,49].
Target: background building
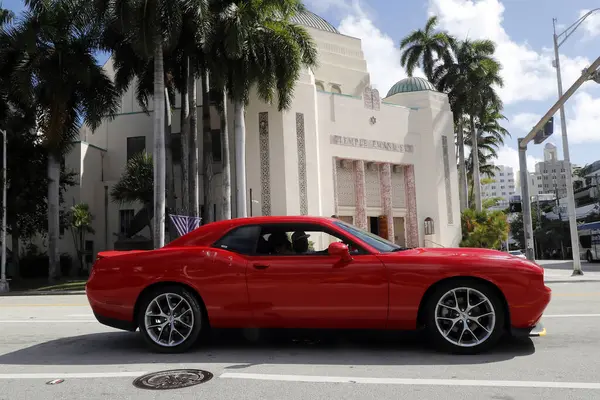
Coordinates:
[385,165]
[503,185]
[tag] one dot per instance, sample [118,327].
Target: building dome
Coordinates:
[312,20]
[549,146]
[412,84]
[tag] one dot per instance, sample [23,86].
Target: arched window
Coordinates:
[320,86]
[336,89]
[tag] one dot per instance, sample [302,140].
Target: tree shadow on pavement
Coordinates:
[272,347]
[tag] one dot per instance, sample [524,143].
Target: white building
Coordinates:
[550,174]
[503,185]
[385,165]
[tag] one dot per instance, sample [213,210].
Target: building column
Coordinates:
[386,197]
[412,223]
[361,195]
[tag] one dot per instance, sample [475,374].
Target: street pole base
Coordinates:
[577,272]
[4,287]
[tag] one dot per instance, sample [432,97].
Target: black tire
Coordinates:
[439,340]
[196,310]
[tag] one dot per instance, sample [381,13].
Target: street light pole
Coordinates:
[571,213]
[3,281]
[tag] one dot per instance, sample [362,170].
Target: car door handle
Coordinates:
[261,266]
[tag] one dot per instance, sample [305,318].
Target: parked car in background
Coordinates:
[517,253]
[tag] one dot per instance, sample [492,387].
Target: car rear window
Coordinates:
[240,240]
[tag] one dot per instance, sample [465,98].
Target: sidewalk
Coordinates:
[560,271]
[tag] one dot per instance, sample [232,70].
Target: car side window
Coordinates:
[240,240]
[297,239]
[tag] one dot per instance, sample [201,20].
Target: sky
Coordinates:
[522,30]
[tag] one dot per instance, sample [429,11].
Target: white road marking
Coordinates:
[82,375]
[45,321]
[570,315]
[419,382]
[81,315]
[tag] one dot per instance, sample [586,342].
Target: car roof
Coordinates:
[212,231]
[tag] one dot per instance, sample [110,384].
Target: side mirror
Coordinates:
[339,249]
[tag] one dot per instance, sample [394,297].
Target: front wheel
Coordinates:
[464,317]
[170,319]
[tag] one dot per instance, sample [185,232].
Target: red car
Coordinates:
[313,272]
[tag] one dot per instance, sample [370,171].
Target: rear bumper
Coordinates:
[116,323]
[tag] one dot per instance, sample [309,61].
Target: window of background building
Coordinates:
[135,145]
[125,218]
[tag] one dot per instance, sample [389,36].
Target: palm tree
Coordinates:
[425,47]
[151,28]
[51,49]
[255,44]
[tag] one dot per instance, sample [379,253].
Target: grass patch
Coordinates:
[71,285]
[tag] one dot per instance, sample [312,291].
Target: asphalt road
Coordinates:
[55,337]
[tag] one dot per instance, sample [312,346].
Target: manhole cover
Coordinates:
[173,379]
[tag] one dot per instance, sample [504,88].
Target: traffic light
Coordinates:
[545,132]
[514,204]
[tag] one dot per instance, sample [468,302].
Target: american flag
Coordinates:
[184,223]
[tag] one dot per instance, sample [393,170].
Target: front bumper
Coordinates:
[534,331]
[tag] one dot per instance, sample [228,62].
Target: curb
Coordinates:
[44,293]
[561,280]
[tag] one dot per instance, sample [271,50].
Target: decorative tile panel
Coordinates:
[302,180]
[346,193]
[412,224]
[447,180]
[372,185]
[361,198]
[372,99]
[335,186]
[398,187]
[265,162]
[386,198]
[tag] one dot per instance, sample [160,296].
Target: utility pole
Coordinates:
[588,73]
[3,282]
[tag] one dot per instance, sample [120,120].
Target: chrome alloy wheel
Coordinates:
[465,317]
[169,319]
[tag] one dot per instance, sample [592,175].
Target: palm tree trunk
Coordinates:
[206,146]
[240,158]
[194,208]
[226,173]
[170,176]
[15,236]
[185,139]
[159,145]
[476,176]
[462,167]
[53,217]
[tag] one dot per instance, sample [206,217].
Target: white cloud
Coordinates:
[510,157]
[583,119]
[381,53]
[524,121]
[591,25]
[528,74]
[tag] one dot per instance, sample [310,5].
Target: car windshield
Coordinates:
[377,242]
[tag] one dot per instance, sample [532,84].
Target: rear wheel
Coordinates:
[465,317]
[170,319]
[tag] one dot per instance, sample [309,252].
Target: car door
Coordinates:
[317,290]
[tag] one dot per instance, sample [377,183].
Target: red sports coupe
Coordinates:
[313,272]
